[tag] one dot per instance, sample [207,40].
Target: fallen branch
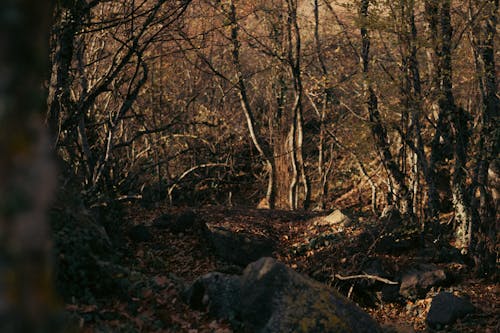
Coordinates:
[364,276]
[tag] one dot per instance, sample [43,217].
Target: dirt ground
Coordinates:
[170,261]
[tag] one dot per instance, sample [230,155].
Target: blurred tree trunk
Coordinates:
[411,99]
[27,173]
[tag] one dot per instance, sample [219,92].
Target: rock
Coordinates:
[416,283]
[218,294]
[335,218]
[446,308]
[239,248]
[140,233]
[270,297]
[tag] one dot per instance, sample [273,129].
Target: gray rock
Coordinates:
[446,308]
[416,283]
[336,218]
[270,297]
[218,294]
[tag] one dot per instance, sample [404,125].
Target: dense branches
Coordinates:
[160,94]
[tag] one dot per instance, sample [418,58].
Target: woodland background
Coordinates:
[290,105]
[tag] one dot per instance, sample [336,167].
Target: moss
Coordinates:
[313,311]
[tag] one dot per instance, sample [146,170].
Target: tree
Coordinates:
[483,21]
[379,133]
[98,72]
[27,173]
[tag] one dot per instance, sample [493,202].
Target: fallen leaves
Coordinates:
[170,260]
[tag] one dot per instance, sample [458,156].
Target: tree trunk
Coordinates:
[449,110]
[379,133]
[59,100]
[299,189]
[485,181]
[27,173]
[441,142]
[247,109]
[323,169]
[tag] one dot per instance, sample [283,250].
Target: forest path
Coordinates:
[169,261]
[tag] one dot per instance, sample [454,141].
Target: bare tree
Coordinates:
[483,17]
[379,132]
[98,72]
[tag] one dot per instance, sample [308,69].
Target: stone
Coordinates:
[336,218]
[270,297]
[416,283]
[218,294]
[446,308]
[239,248]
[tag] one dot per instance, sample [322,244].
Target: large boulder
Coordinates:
[446,308]
[270,297]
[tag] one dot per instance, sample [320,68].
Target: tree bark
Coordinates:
[323,169]
[299,179]
[449,110]
[484,233]
[441,142]
[27,173]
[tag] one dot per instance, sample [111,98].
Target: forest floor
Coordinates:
[169,261]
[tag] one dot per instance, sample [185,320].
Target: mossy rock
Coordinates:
[275,298]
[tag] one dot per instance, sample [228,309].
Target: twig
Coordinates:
[364,276]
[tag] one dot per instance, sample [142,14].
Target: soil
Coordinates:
[328,253]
